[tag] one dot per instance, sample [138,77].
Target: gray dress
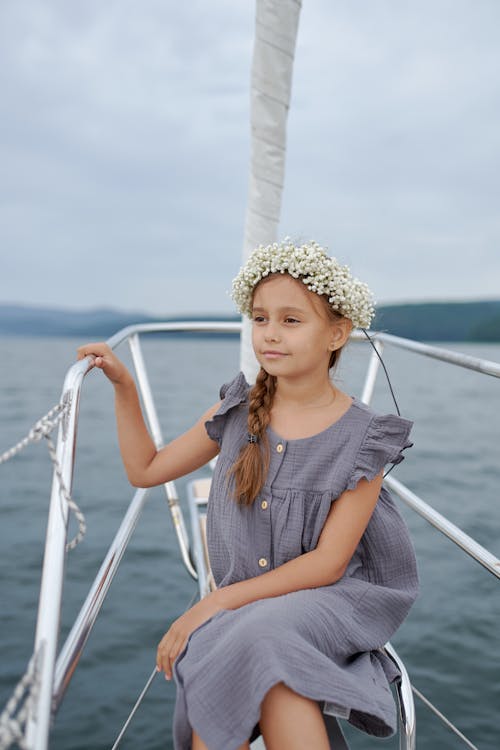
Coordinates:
[322,642]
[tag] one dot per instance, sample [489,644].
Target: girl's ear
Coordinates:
[341,330]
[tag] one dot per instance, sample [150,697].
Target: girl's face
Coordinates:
[292,334]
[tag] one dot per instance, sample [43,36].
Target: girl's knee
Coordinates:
[278,692]
[198,744]
[280,695]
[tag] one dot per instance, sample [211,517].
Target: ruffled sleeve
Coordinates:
[385,439]
[232,394]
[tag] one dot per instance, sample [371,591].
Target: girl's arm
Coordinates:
[145,466]
[327,563]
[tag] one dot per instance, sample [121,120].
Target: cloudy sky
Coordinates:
[124,148]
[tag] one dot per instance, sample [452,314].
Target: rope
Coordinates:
[143,692]
[21,703]
[23,700]
[43,429]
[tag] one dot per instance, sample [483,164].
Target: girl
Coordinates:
[314,566]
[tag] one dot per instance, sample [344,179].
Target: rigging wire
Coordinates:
[385,370]
[444,719]
[388,383]
[138,702]
[144,690]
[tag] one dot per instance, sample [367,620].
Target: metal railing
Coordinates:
[55,677]
[426,511]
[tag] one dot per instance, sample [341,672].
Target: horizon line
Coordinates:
[123,311]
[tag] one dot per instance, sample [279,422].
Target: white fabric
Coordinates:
[276,27]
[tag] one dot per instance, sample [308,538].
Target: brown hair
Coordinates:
[251,467]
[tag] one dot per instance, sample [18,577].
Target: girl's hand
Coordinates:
[176,637]
[106,361]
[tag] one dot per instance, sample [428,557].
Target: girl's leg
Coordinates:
[288,720]
[198,743]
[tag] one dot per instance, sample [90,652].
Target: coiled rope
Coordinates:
[25,696]
[43,429]
[22,702]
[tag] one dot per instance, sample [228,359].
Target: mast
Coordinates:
[276,24]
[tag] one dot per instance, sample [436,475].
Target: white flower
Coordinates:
[319,272]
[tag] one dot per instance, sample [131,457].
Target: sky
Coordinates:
[125,147]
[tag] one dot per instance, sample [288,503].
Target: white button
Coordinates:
[279,448]
[263,504]
[262,562]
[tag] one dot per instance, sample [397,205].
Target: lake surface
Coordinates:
[451,639]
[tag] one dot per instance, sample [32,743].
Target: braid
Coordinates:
[251,467]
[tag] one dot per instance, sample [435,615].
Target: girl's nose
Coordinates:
[272,333]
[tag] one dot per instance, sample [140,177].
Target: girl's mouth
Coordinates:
[271,354]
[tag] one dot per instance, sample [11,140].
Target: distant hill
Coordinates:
[425,321]
[99,323]
[45,321]
[441,321]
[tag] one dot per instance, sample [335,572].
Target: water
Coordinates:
[450,642]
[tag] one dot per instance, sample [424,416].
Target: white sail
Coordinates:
[276,25]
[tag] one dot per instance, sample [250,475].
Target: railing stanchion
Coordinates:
[154,426]
[371,374]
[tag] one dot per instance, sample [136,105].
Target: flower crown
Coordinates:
[319,272]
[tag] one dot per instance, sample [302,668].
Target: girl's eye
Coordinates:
[258,318]
[291,320]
